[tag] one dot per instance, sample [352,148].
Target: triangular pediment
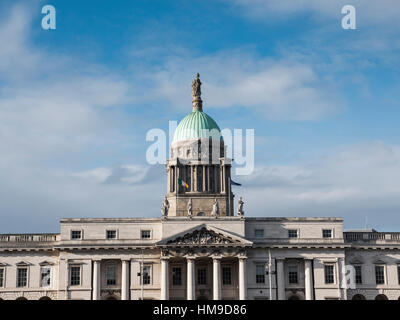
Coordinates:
[204,235]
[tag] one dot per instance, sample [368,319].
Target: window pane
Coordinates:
[111,276]
[293,274]
[177,276]
[22,274]
[1,277]
[201,276]
[292,233]
[146,275]
[379,275]
[358,274]
[111,234]
[329,276]
[76,234]
[259,233]
[327,233]
[226,276]
[260,273]
[146,234]
[75,276]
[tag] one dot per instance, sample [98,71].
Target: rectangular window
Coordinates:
[292,233]
[201,276]
[398,273]
[75,276]
[226,275]
[293,274]
[329,274]
[358,274]
[259,233]
[2,277]
[76,234]
[111,276]
[146,234]
[260,273]
[177,276]
[111,234]
[22,277]
[327,233]
[380,274]
[45,276]
[146,275]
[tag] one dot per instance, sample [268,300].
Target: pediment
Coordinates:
[23,263]
[46,263]
[204,235]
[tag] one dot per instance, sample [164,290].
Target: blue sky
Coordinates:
[76,104]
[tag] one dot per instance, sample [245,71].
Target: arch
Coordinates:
[21,299]
[202,297]
[381,297]
[201,214]
[45,298]
[294,297]
[358,297]
[110,298]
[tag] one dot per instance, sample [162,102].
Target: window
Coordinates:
[380,274]
[292,233]
[259,233]
[22,277]
[358,274]
[398,274]
[2,272]
[75,276]
[177,276]
[329,274]
[201,276]
[45,276]
[146,234]
[111,234]
[293,274]
[146,275]
[226,275]
[327,233]
[76,234]
[260,273]
[111,275]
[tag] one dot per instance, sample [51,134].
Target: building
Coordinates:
[200,248]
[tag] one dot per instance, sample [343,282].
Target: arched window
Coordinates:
[294,297]
[358,297]
[45,298]
[21,299]
[381,297]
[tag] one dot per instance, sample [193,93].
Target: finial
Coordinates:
[196,94]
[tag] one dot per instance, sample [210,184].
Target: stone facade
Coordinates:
[199,258]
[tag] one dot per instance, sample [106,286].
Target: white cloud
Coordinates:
[275,89]
[353,182]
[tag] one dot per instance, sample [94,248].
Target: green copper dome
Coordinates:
[195,126]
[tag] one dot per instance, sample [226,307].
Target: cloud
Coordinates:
[370,13]
[275,89]
[352,182]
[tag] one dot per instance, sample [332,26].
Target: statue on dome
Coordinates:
[240,211]
[165,207]
[196,84]
[215,210]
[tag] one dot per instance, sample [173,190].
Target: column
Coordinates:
[242,279]
[96,280]
[309,279]
[280,279]
[204,179]
[164,279]
[191,178]
[342,279]
[190,278]
[125,280]
[216,278]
